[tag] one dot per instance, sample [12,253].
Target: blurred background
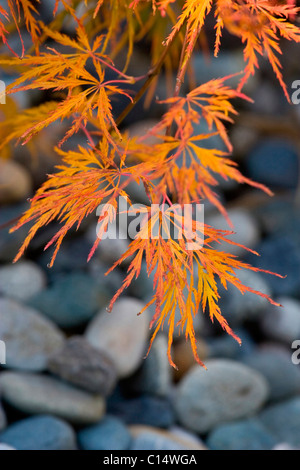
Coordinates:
[76,377]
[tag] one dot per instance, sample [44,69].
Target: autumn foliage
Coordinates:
[177,169]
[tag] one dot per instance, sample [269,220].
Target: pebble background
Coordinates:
[76,377]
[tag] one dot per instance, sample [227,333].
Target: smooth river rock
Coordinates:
[226,391]
[39,394]
[122,334]
[30,338]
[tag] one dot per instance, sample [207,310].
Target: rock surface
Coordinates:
[84,366]
[21,280]
[40,433]
[29,337]
[227,390]
[122,334]
[72,300]
[38,394]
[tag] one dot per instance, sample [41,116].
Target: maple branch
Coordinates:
[151,74]
[186,53]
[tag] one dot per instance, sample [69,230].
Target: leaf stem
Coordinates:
[186,52]
[150,76]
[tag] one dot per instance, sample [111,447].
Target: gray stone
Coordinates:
[29,337]
[276,366]
[282,323]
[38,394]
[227,391]
[84,366]
[122,334]
[283,421]
[39,433]
[22,280]
[72,300]
[109,434]
[241,435]
[154,375]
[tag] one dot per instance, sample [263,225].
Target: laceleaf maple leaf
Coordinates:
[17,122]
[184,279]
[84,180]
[3,30]
[260,25]
[86,95]
[179,167]
[183,166]
[20,10]
[210,101]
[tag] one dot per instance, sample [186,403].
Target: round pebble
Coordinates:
[84,366]
[38,394]
[40,433]
[22,280]
[122,334]
[72,300]
[29,337]
[226,391]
